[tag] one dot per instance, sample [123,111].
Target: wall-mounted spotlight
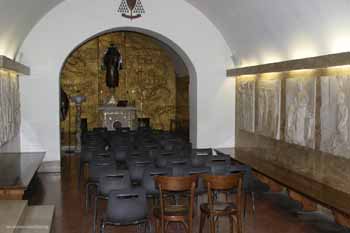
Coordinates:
[7,64]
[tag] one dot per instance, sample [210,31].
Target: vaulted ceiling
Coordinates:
[257,31]
[17,18]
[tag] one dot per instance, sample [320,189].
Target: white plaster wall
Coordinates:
[73,21]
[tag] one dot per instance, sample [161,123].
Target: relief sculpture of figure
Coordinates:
[112,62]
[302,115]
[241,105]
[261,110]
[245,91]
[342,135]
[291,119]
[266,110]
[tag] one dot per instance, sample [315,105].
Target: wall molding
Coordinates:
[331,60]
[9,64]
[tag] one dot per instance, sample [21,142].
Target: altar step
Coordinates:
[17,217]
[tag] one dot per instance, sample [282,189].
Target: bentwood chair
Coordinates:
[217,208]
[178,210]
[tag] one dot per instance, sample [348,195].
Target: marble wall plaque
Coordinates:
[300,111]
[10,116]
[269,106]
[246,104]
[335,107]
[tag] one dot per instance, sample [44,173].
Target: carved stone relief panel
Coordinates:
[246,103]
[269,106]
[10,117]
[335,107]
[300,111]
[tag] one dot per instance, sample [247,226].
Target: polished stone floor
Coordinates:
[275,213]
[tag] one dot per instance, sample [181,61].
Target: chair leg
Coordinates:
[253,201]
[79,176]
[158,230]
[102,226]
[239,224]
[212,223]
[95,213]
[231,223]
[190,226]
[87,196]
[202,222]
[145,227]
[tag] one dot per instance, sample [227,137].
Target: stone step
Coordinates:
[36,219]
[11,214]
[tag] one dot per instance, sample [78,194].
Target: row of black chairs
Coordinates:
[129,161]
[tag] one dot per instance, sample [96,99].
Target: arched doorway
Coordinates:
[154,80]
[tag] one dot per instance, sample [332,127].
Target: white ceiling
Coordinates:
[17,18]
[261,31]
[257,31]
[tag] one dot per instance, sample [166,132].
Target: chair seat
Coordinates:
[173,210]
[220,208]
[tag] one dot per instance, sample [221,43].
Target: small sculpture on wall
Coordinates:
[112,63]
[64,104]
[131,9]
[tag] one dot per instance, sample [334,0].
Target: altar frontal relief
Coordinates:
[335,115]
[246,103]
[300,111]
[269,101]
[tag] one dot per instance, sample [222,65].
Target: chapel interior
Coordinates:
[159,116]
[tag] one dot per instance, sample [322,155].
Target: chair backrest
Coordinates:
[247,174]
[196,170]
[148,178]
[127,206]
[120,155]
[176,183]
[203,151]
[224,183]
[120,180]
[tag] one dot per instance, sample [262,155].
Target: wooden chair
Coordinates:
[173,208]
[230,208]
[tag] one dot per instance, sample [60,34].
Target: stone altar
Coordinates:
[112,114]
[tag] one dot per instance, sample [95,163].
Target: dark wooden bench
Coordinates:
[315,191]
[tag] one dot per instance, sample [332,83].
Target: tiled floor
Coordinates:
[275,213]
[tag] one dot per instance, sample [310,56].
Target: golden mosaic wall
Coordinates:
[182,104]
[147,79]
